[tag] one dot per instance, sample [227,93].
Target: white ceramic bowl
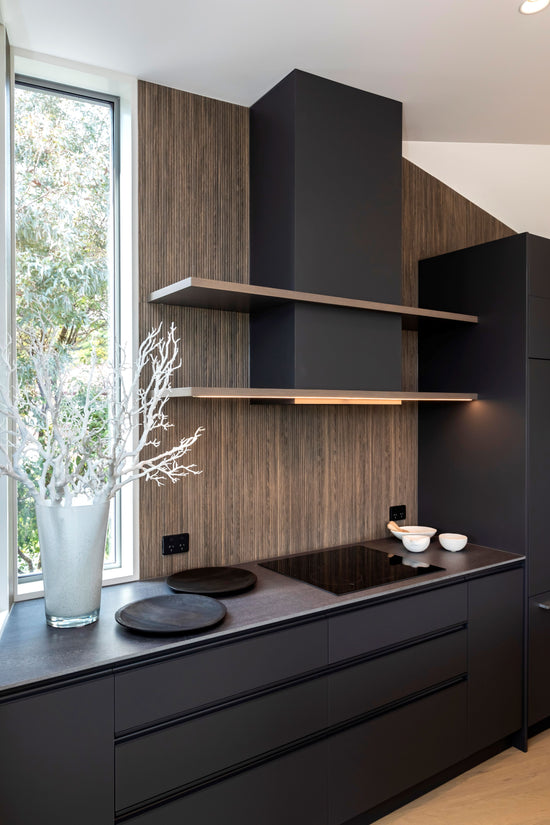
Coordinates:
[453,541]
[414,530]
[415,543]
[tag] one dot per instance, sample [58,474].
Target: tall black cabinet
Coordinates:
[484,467]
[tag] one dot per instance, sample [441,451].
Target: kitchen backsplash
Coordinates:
[276,479]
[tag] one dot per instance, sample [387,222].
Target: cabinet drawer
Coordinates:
[63,739]
[167,689]
[495,657]
[369,628]
[539,658]
[538,555]
[289,790]
[539,327]
[364,687]
[159,762]
[376,760]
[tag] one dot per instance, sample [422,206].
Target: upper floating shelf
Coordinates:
[293,396]
[211,294]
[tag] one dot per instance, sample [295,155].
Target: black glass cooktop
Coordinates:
[347,569]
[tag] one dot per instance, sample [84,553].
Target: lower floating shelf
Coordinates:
[293,396]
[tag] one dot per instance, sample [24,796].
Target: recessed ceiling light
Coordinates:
[533,6]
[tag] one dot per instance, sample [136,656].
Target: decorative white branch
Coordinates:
[65,436]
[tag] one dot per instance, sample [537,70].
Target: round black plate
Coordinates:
[165,615]
[212,581]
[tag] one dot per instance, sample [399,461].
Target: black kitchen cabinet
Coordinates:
[56,756]
[483,468]
[538,541]
[495,663]
[313,722]
[373,761]
[388,678]
[380,625]
[387,709]
[162,690]
[184,753]
[539,658]
[286,791]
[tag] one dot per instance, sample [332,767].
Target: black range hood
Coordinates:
[326,218]
[324,297]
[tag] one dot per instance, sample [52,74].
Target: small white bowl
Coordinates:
[453,541]
[415,543]
[414,530]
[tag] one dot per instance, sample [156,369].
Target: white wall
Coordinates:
[510,181]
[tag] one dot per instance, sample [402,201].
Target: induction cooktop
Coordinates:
[347,569]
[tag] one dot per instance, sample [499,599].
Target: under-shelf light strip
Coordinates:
[326,400]
[392,401]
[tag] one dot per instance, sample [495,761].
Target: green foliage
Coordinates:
[27,533]
[63,241]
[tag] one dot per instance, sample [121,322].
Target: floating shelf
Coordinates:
[207,293]
[292,396]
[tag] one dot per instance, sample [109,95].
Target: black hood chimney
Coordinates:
[326,218]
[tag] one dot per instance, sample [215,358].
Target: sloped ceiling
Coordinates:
[510,181]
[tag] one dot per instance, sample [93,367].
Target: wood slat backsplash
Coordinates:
[276,479]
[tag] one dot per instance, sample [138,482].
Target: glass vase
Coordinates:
[72,550]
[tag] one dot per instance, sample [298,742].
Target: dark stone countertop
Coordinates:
[33,655]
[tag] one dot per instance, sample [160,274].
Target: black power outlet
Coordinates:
[178,543]
[398,513]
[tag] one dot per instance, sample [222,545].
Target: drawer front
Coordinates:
[538,555]
[56,756]
[372,762]
[495,657]
[364,687]
[168,689]
[539,658]
[290,790]
[377,626]
[159,762]
[538,250]
[539,327]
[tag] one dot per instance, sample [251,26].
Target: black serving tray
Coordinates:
[212,581]
[171,614]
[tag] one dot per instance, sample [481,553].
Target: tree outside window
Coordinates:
[64,244]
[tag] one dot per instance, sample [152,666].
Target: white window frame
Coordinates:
[7,238]
[66,73]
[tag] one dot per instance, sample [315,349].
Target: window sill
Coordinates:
[35,590]
[4,615]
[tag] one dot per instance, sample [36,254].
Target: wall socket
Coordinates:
[178,543]
[398,513]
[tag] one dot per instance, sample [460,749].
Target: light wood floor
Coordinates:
[513,788]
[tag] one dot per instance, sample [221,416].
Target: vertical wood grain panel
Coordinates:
[436,219]
[276,479]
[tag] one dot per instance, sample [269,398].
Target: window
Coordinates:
[6,488]
[74,251]
[66,167]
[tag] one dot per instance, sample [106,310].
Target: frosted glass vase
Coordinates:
[72,550]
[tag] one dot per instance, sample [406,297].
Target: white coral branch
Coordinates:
[61,444]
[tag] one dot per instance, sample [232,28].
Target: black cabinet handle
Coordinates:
[543,605]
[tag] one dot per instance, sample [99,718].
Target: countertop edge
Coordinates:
[170,648]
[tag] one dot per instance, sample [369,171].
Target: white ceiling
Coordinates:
[466,70]
[508,180]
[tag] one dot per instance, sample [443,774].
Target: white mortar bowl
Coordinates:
[453,541]
[413,530]
[414,542]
